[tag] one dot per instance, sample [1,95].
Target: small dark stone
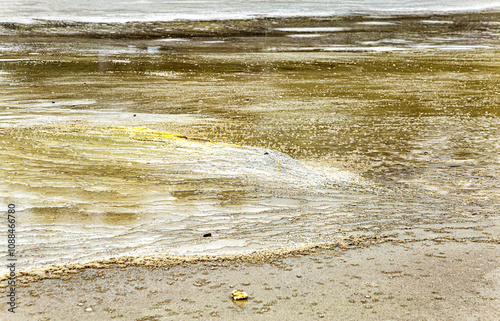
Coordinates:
[135,115]
[266,153]
[426,153]
[207,235]
[53,102]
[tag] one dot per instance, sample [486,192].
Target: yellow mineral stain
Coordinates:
[160,134]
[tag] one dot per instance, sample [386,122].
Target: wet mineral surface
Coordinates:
[122,145]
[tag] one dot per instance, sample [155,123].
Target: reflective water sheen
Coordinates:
[167,10]
[144,142]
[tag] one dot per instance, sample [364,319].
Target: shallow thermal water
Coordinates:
[265,133]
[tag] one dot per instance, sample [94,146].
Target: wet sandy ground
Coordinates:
[433,279]
[428,272]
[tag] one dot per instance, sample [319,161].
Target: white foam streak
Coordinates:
[121,11]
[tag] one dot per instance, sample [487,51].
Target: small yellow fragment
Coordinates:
[239,295]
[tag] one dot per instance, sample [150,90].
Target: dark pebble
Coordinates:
[207,235]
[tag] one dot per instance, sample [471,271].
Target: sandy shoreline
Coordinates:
[440,278]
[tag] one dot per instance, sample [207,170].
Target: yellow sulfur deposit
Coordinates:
[150,133]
